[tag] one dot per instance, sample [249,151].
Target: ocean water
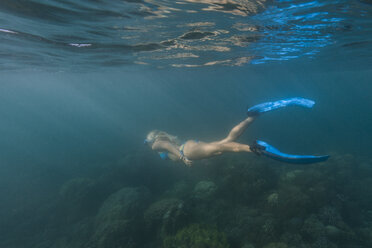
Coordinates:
[83,82]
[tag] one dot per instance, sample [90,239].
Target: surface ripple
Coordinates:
[185,33]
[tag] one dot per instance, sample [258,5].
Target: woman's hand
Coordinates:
[186,161]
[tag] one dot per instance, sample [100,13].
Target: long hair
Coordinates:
[156,135]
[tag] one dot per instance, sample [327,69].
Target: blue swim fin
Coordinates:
[261,147]
[268,106]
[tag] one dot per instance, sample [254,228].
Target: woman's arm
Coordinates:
[167,146]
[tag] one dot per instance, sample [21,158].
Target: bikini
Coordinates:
[182,147]
[181,150]
[165,155]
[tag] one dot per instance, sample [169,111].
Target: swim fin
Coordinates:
[260,147]
[268,106]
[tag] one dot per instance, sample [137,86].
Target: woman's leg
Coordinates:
[233,147]
[203,150]
[237,130]
[200,150]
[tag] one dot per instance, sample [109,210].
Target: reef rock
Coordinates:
[276,245]
[273,199]
[178,190]
[80,197]
[123,204]
[248,246]
[205,190]
[333,232]
[197,235]
[165,215]
[119,220]
[313,228]
[290,176]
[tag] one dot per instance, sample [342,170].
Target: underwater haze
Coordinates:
[83,82]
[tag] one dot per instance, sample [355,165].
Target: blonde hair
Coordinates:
[155,135]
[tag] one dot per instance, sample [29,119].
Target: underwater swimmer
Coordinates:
[170,147]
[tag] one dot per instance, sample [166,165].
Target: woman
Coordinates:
[169,147]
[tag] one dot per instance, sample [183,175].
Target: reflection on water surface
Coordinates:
[184,33]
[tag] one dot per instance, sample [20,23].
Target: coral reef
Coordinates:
[204,190]
[197,236]
[180,189]
[273,199]
[276,245]
[165,216]
[118,222]
[242,203]
[80,197]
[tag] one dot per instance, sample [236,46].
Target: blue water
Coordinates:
[83,82]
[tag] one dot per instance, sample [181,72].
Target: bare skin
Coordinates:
[201,150]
